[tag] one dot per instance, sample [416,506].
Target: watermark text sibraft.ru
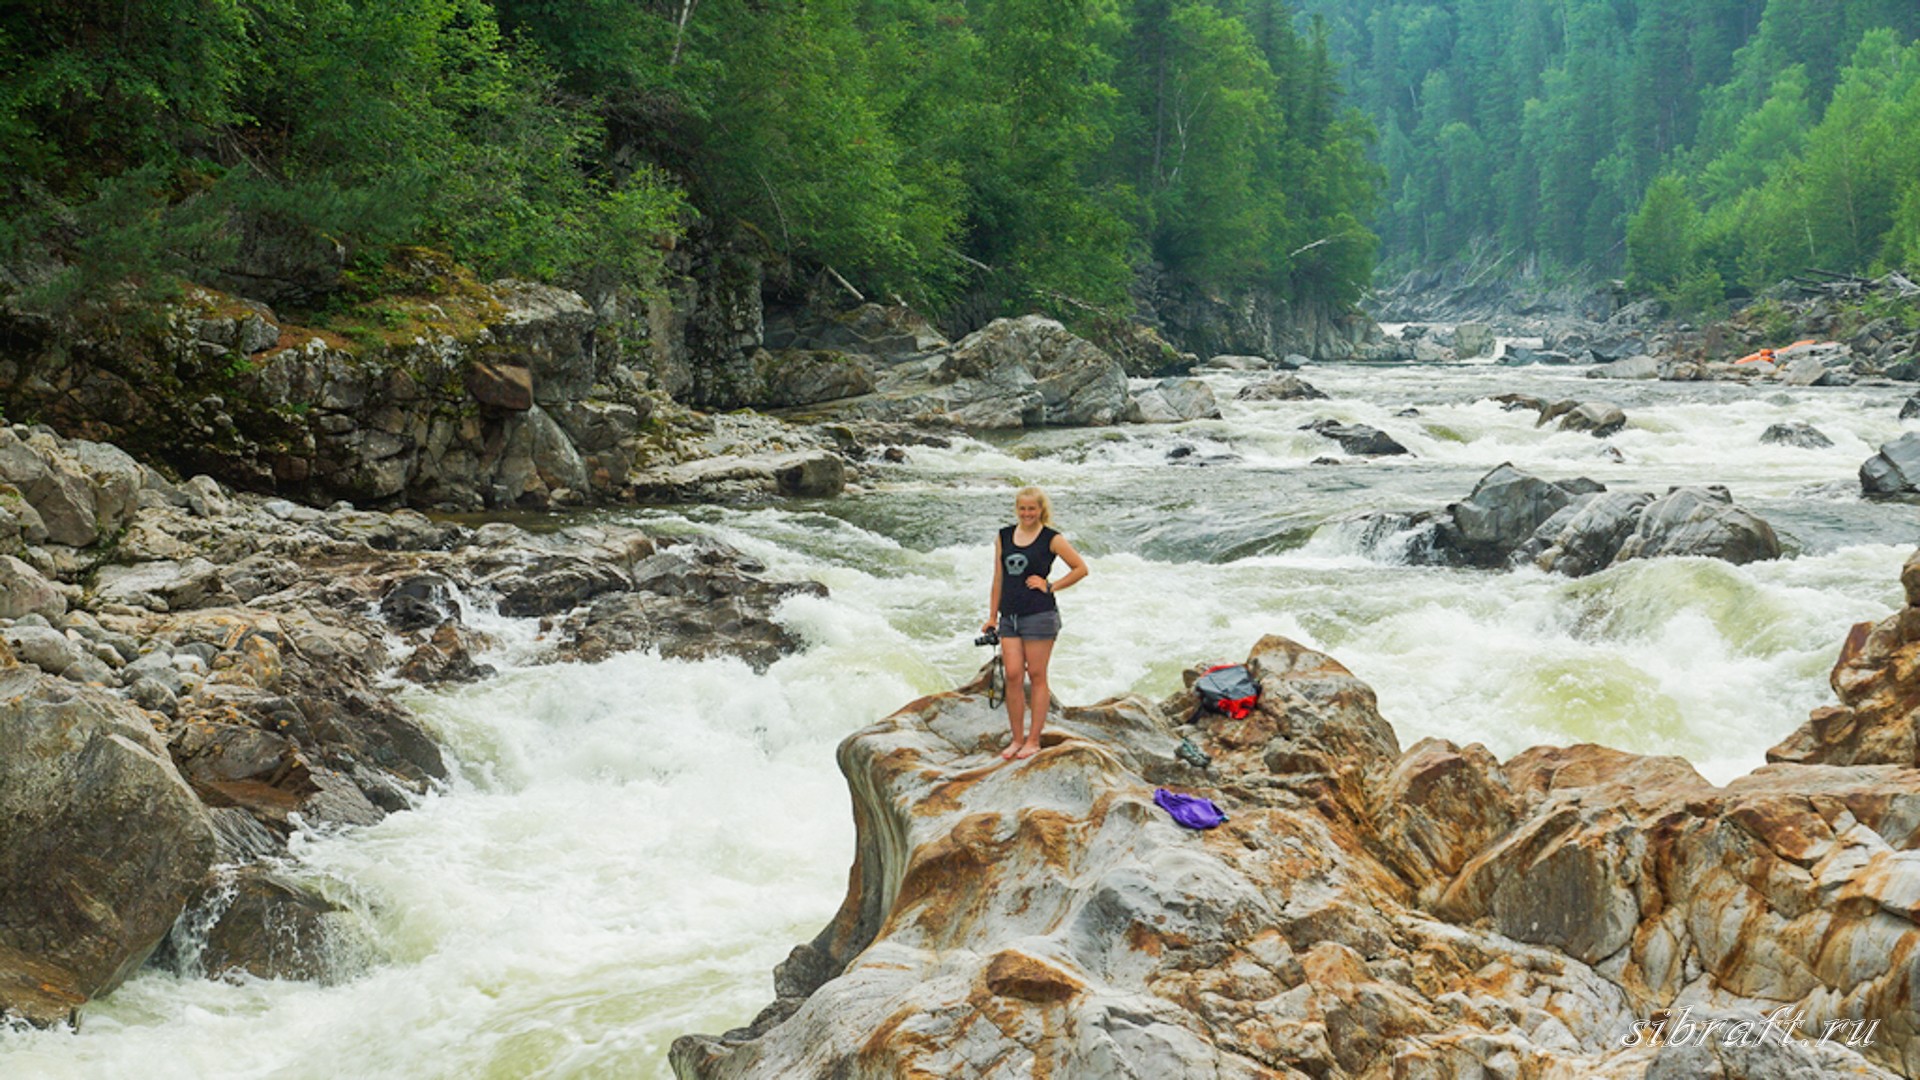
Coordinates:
[1784,1025]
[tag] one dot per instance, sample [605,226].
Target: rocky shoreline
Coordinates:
[191,675]
[1366,911]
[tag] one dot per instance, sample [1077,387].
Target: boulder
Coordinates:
[549,331]
[1895,470]
[1173,401]
[789,377]
[1597,418]
[1501,513]
[1910,408]
[1640,366]
[1585,536]
[419,602]
[1230,362]
[266,925]
[1801,371]
[1796,433]
[52,485]
[1361,913]
[1011,373]
[446,656]
[1520,355]
[814,474]
[500,385]
[1279,388]
[162,585]
[23,591]
[1878,719]
[1079,385]
[42,646]
[104,843]
[1700,521]
[805,473]
[1358,439]
[1473,340]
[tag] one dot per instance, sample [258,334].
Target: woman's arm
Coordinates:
[1076,566]
[993,601]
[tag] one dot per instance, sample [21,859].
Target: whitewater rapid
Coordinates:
[628,848]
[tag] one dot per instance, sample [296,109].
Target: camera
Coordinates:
[991,637]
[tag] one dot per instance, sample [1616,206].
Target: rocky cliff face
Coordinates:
[453,394]
[1432,913]
[1250,321]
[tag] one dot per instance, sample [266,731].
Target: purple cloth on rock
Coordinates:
[1190,810]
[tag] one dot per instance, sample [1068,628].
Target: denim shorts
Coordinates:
[1043,625]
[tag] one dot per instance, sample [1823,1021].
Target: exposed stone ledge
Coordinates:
[1364,912]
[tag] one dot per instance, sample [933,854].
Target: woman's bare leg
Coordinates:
[1039,651]
[1013,660]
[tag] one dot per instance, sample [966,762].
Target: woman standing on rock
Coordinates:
[1024,611]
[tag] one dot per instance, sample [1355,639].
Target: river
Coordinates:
[627,848]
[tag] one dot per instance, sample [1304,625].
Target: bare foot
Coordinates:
[1009,751]
[1027,750]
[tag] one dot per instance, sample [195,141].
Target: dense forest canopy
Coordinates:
[1046,148]
[1704,144]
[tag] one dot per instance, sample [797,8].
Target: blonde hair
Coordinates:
[1046,504]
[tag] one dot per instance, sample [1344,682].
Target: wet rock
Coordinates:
[1597,418]
[1878,719]
[1895,470]
[1586,536]
[266,925]
[554,584]
[1573,526]
[1357,439]
[1910,408]
[447,656]
[1518,402]
[1279,388]
[1700,521]
[1501,513]
[419,601]
[1173,401]
[84,897]
[1796,433]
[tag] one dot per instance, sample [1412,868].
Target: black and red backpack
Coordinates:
[1228,689]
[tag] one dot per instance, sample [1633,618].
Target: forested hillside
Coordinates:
[1031,150]
[1706,144]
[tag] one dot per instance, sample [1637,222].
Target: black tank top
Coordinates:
[1016,564]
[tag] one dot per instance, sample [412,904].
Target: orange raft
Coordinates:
[1767,354]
